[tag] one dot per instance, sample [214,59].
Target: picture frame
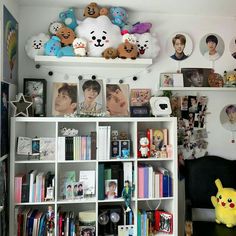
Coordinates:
[196,77]
[37,90]
[111,189]
[140,97]
[171,80]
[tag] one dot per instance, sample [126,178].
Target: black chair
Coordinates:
[200,176]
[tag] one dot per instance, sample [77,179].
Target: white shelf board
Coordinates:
[155,199]
[77,161]
[73,201]
[220,89]
[117,160]
[34,203]
[154,159]
[92,61]
[34,162]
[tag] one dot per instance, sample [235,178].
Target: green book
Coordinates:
[139,224]
[101,182]
[107,174]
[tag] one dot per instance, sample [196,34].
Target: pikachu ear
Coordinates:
[218,184]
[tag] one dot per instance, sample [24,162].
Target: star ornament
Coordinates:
[21,106]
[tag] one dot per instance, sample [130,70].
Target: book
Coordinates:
[24,146]
[93,145]
[88,177]
[47,148]
[66,177]
[101,182]
[19,180]
[163,221]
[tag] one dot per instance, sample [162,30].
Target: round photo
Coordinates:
[179,46]
[212,46]
[232,47]
[228,117]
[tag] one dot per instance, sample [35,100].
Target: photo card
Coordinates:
[111,188]
[87,231]
[140,97]
[78,189]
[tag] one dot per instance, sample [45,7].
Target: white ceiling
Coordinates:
[226,8]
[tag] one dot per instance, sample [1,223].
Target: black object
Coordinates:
[37,66]
[93,77]
[135,78]
[139,111]
[200,176]
[50,73]
[121,81]
[80,77]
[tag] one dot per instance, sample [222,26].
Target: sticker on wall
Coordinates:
[212,46]
[179,46]
[232,47]
[228,118]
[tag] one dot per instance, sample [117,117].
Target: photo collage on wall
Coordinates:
[191,114]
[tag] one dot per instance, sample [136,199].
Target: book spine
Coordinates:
[93,145]
[141,182]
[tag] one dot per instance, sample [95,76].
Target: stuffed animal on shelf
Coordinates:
[35,45]
[110,53]
[92,10]
[66,35]
[148,46]
[225,205]
[100,34]
[54,27]
[119,16]
[141,28]
[127,50]
[144,142]
[215,80]
[129,38]
[80,47]
[230,79]
[68,18]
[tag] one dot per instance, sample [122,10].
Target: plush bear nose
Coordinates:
[99,40]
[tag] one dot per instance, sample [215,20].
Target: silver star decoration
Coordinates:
[21,106]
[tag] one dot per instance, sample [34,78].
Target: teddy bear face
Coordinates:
[66,35]
[92,10]
[127,50]
[110,53]
[54,27]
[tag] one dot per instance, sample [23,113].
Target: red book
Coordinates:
[19,180]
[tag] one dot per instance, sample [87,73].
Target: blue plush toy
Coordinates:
[68,18]
[119,16]
[53,48]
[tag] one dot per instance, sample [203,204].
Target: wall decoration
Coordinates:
[196,77]
[228,118]
[36,89]
[171,80]
[215,80]
[232,47]
[117,99]
[91,97]
[179,46]
[212,46]
[4,118]
[21,106]
[10,47]
[65,98]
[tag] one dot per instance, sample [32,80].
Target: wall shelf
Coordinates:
[93,61]
[220,89]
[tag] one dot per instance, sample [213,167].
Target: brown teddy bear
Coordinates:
[110,53]
[127,50]
[92,10]
[66,35]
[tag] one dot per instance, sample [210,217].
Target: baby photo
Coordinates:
[91,97]
[64,100]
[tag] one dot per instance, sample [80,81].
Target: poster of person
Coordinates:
[91,96]
[65,99]
[179,46]
[228,117]
[4,118]
[10,47]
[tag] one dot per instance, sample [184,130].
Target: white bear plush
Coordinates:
[80,47]
[130,38]
[35,45]
[100,34]
[147,45]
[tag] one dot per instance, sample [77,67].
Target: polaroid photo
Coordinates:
[78,189]
[69,190]
[111,189]
[36,146]
[171,80]
[140,97]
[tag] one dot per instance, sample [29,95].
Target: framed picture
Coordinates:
[111,188]
[171,80]
[140,97]
[37,90]
[196,77]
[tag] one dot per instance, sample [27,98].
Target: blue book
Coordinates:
[31,222]
[130,218]
[170,187]
[42,225]
[165,185]
[144,223]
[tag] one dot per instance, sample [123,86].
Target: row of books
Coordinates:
[32,187]
[104,142]
[77,148]
[154,183]
[116,174]
[30,222]
[150,222]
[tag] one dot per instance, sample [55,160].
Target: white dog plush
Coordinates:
[80,47]
[144,146]
[35,45]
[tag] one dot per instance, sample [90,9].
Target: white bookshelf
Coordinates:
[50,126]
[214,89]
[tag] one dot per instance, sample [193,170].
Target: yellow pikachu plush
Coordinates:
[225,205]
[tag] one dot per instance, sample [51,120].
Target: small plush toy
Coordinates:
[123,135]
[127,50]
[35,45]
[114,134]
[129,38]
[69,132]
[80,47]
[54,27]
[230,79]
[215,80]
[144,142]
[225,205]
[110,53]
[66,51]
[66,35]
[119,16]
[68,18]
[147,45]
[52,46]
[92,10]
[141,28]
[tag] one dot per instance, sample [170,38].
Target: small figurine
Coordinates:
[123,135]
[114,135]
[163,153]
[144,146]
[125,153]
[50,221]
[127,194]
[69,132]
